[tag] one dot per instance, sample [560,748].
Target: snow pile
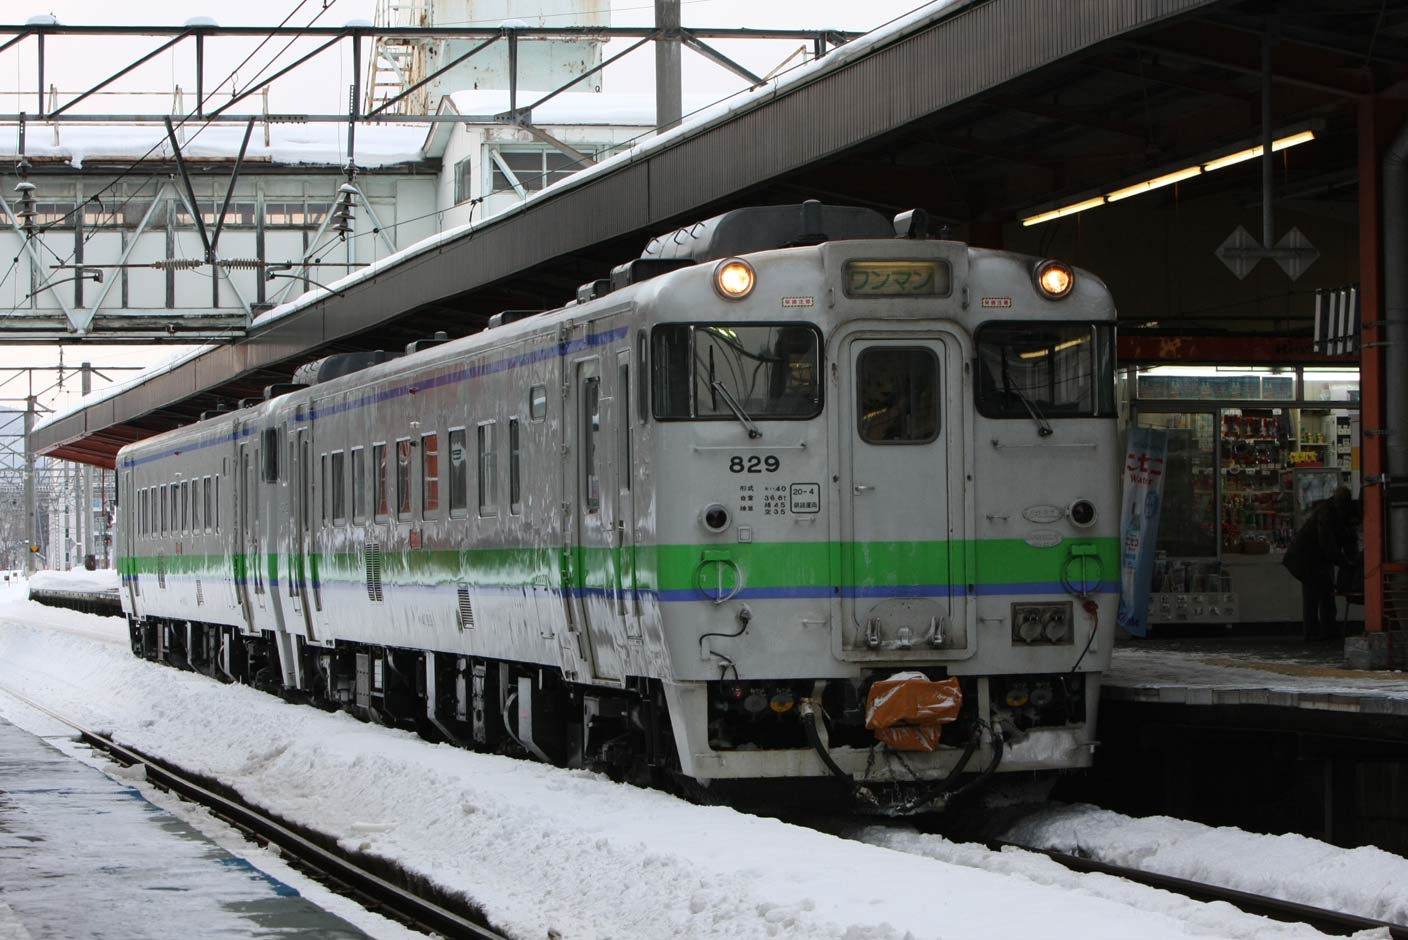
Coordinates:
[76,580]
[542,849]
[1152,669]
[1365,881]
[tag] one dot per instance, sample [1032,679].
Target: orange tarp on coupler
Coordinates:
[908,710]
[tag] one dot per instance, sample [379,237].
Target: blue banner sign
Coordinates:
[1139,524]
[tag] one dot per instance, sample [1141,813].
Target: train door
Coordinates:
[901,438]
[300,492]
[276,532]
[590,453]
[127,515]
[627,584]
[245,529]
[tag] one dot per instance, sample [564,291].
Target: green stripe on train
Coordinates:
[671,567]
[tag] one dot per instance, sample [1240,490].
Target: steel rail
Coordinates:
[1334,922]
[405,904]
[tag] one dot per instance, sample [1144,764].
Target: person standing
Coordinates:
[1326,539]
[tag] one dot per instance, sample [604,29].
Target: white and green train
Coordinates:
[682,524]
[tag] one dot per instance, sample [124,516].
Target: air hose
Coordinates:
[807,710]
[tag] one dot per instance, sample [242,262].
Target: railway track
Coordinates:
[378,886]
[1331,922]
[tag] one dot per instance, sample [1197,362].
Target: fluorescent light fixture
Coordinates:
[1251,153]
[1165,180]
[1064,211]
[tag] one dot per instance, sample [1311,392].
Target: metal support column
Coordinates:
[86,511]
[668,102]
[31,510]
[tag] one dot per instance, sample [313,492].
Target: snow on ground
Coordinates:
[544,849]
[1365,881]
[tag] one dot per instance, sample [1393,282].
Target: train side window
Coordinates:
[175,509]
[429,473]
[185,506]
[459,472]
[324,508]
[403,479]
[195,505]
[898,389]
[216,500]
[537,402]
[359,484]
[488,471]
[208,497]
[379,468]
[161,509]
[515,466]
[271,455]
[339,485]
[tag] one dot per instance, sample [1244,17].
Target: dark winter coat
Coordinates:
[1325,540]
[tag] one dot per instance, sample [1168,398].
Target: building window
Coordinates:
[463,181]
[527,171]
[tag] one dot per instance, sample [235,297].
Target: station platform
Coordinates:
[84,856]
[1268,671]
[1270,734]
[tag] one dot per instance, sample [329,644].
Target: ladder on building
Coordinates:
[398,62]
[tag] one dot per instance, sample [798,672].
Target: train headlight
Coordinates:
[1055,279]
[714,517]
[734,278]
[1082,513]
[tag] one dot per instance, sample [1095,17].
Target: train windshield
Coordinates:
[725,371]
[1046,370]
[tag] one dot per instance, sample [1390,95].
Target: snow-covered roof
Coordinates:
[293,144]
[718,113]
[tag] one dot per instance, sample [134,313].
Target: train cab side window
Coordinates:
[271,455]
[591,425]
[359,484]
[488,471]
[379,469]
[537,402]
[515,477]
[338,484]
[642,388]
[403,479]
[429,474]
[898,395]
[324,513]
[459,473]
[623,429]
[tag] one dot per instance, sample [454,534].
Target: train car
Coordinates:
[800,494]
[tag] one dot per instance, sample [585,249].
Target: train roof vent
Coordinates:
[643,269]
[281,388]
[594,289]
[440,338]
[221,408]
[336,366]
[250,402]
[505,317]
[759,228]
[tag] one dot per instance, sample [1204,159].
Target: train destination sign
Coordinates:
[898,278]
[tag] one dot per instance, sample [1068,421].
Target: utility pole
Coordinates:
[668,104]
[86,514]
[31,509]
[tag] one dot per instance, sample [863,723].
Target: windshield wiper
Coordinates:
[1043,427]
[718,388]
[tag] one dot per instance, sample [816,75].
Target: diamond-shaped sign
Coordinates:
[1240,252]
[1294,253]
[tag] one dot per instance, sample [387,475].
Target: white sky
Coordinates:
[75,64]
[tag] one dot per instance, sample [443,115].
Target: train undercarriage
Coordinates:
[528,710]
